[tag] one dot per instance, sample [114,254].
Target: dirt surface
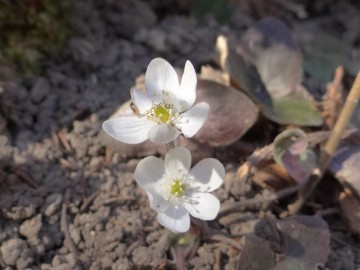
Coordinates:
[63,206]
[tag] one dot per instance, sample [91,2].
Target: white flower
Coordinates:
[164,111]
[175,191]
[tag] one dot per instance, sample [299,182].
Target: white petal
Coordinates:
[149,171]
[178,159]
[128,129]
[148,175]
[209,174]
[204,206]
[175,219]
[140,100]
[157,201]
[187,90]
[162,133]
[159,76]
[192,120]
[170,98]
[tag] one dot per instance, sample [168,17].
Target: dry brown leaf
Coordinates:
[209,73]
[333,99]
[350,209]
[273,177]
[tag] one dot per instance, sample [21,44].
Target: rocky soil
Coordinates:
[63,203]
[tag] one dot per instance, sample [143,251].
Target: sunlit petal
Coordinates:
[187,90]
[128,129]
[176,219]
[209,174]
[204,206]
[160,76]
[192,120]
[162,133]
[141,101]
[178,159]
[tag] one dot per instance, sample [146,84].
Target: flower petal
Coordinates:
[209,174]
[162,133]
[176,219]
[148,175]
[192,120]
[128,129]
[204,206]
[178,159]
[159,76]
[157,201]
[140,100]
[149,171]
[187,90]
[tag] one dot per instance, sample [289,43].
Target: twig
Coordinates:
[226,209]
[217,265]
[226,239]
[27,179]
[64,141]
[65,228]
[333,101]
[330,147]
[89,200]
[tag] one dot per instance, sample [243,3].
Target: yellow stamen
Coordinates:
[177,188]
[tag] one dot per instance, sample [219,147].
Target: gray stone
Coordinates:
[15,252]
[30,228]
[52,203]
[40,90]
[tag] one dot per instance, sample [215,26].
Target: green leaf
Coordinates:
[293,109]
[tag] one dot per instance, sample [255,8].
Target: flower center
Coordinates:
[177,188]
[161,113]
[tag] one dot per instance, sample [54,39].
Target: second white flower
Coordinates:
[175,191]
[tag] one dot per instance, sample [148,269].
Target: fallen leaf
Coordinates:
[284,107]
[273,177]
[333,99]
[304,243]
[350,210]
[271,48]
[209,73]
[308,243]
[245,76]
[231,113]
[293,109]
[345,165]
[256,254]
[292,152]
